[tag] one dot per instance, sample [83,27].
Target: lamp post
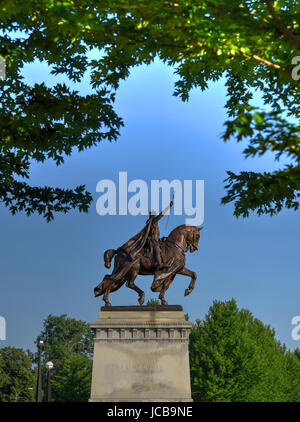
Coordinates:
[49,366]
[38,396]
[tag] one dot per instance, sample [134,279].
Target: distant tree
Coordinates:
[153,302]
[73,382]
[68,343]
[293,374]
[63,336]
[253,44]
[297,353]
[17,378]
[235,357]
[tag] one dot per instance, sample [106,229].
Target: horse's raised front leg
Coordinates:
[193,275]
[130,284]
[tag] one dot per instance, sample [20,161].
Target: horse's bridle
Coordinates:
[195,247]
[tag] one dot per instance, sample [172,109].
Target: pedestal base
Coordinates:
[141,354]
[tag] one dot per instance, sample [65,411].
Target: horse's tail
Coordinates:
[101,288]
[108,256]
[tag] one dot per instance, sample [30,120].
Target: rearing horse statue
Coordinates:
[128,264]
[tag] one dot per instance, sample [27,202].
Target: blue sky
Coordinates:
[53,268]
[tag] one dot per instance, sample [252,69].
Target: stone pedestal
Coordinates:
[141,354]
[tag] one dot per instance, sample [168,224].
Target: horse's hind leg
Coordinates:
[105,297]
[165,287]
[161,297]
[130,284]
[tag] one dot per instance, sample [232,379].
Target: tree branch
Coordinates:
[268,63]
[281,26]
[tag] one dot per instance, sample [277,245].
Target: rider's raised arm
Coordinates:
[162,213]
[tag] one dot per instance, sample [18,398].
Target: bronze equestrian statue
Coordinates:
[147,254]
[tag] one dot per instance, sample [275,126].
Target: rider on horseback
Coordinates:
[153,239]
[148,237]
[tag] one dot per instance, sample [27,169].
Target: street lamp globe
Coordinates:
[49,365]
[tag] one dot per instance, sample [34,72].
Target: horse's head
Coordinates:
[192,238]
[186,237]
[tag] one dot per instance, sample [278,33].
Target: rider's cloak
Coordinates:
[133,250]
[134,246]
